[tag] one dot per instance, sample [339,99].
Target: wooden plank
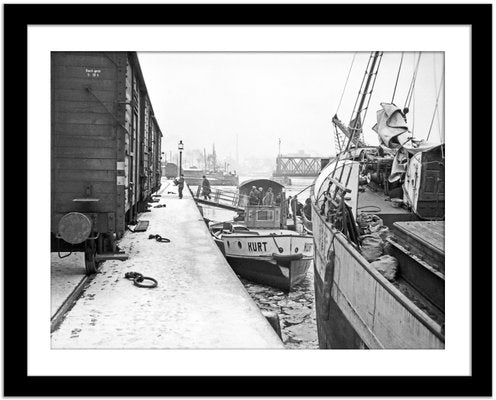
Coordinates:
[427,280]
[83,141]
[92,106]
[220,205]
[77,188]
[60,206]
[83,118]
[424,239]
[90,59]
[103,198]
[431,232]
[84,164]
[84,152]
[93,176]
[68,129]
[81,94]
[393,324]
[81,83]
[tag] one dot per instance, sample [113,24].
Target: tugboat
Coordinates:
[262,248]
[378,226]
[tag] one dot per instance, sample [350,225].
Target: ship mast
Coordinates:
[354,130]
[214,158]
[204,161]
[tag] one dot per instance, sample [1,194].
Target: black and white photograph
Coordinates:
[248,200]
[250,197]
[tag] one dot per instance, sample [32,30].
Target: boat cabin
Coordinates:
[271,213]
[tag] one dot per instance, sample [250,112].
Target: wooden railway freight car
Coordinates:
[105,151]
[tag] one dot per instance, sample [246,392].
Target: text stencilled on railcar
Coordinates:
[93,73]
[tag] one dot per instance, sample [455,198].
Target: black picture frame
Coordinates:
[18,17]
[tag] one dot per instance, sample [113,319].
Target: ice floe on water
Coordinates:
[296,311]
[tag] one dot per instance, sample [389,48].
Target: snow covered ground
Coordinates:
[198,303]
[66,273]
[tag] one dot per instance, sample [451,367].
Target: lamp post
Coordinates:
[180,147]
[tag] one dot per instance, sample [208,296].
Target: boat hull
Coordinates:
[283,271]
[356,307]
[284,275]
[333,329]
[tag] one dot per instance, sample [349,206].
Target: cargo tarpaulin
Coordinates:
[404,154]
[391,125]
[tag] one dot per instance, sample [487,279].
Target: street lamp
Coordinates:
[180,147]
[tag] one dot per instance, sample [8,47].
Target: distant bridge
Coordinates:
[299,166]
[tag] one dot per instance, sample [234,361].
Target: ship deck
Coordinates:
[419,248]
[380,204]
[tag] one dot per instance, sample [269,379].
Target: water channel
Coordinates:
[296,309]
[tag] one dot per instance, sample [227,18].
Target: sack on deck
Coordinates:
[387,265]
[372,247]
[369,223]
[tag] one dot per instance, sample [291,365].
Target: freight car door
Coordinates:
[129,129]
[134,141]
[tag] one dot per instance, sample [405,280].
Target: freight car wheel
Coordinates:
[89,258]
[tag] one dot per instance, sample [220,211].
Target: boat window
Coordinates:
[265,215]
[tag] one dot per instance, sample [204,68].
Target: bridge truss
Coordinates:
[299,166]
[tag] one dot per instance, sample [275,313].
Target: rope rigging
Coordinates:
[338,139]
[346,83]
[397,77]
[435,107]
[435,85]
[412,85]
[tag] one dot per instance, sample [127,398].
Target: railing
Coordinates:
[223,198]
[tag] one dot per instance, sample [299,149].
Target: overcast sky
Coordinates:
[206,98]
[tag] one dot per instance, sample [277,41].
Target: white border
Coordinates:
[454,40]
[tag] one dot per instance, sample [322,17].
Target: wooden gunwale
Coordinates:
[271,258]
[236,236]
[407,303]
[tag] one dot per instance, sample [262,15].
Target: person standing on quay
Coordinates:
[206,188]
[180,185]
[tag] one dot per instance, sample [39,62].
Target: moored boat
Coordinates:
[378,227]
[283,180]
[261,248]
[194,177]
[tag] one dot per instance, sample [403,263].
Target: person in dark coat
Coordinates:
[289,206]
[206,188]
[180,185]
[299,209]
[307,209]
[253,200]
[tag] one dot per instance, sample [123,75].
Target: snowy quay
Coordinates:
[198,303]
